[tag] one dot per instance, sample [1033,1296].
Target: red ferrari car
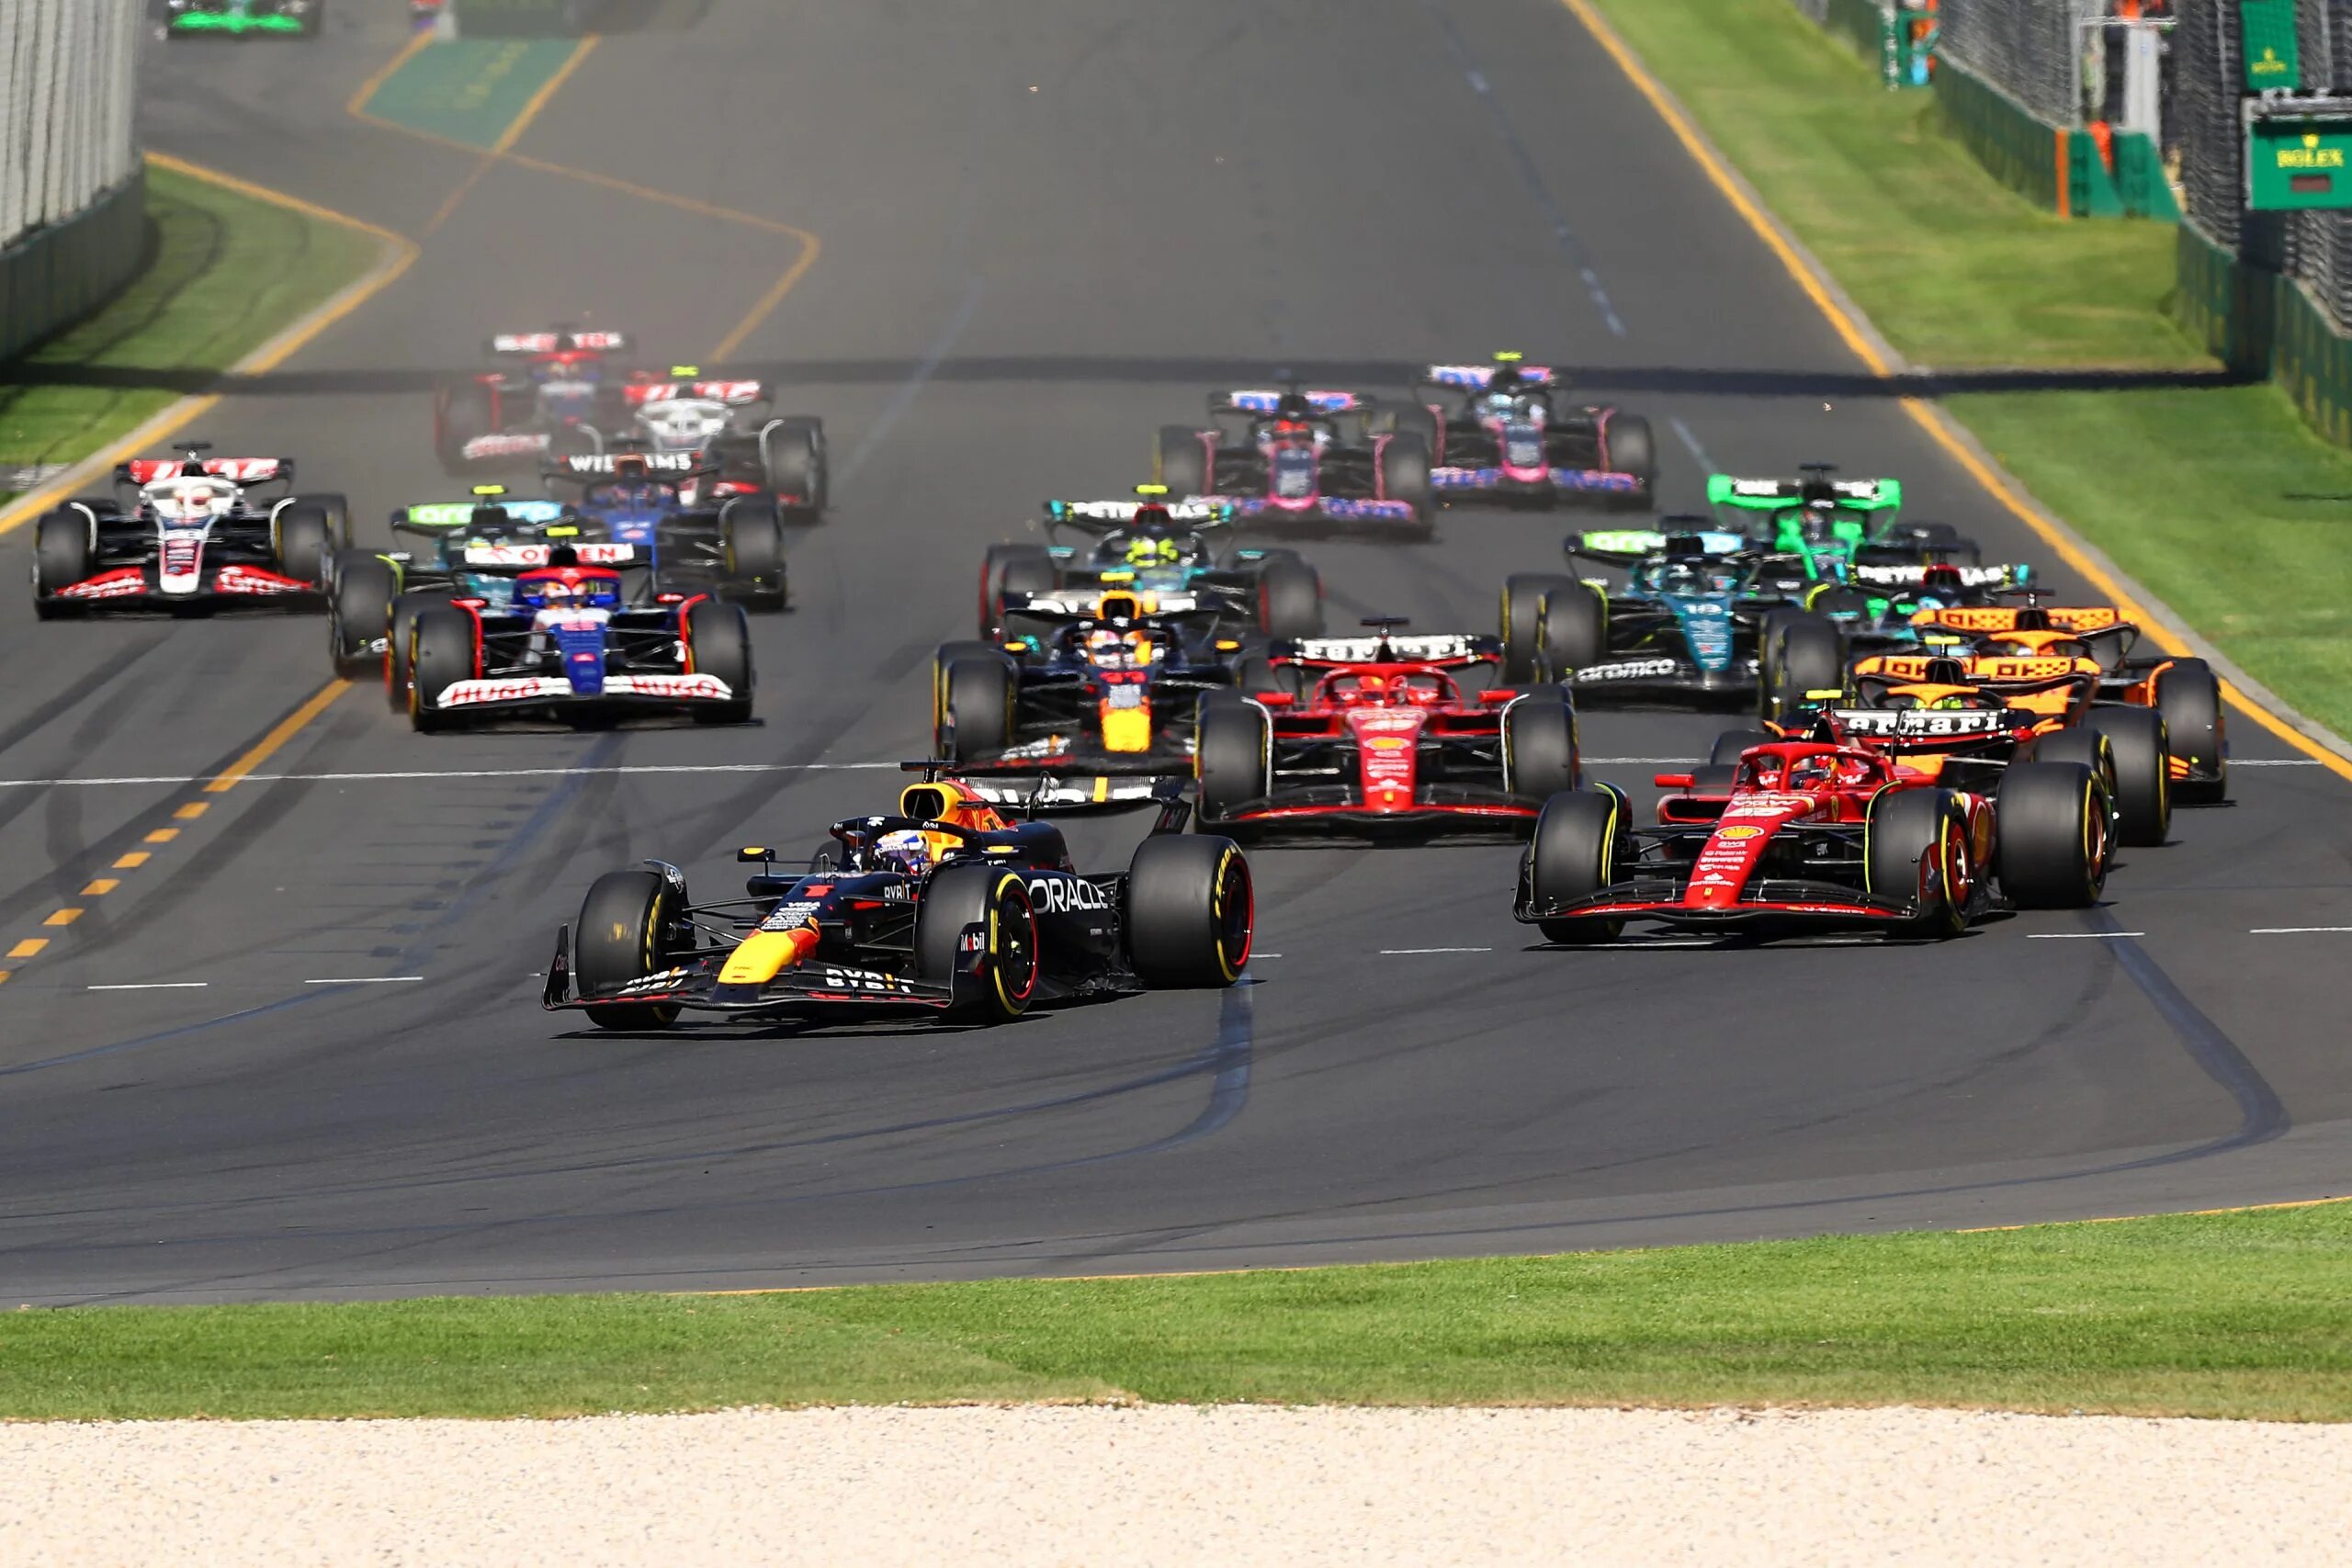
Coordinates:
[1809,835]
[1382,734]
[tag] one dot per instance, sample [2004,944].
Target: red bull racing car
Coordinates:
[1384,734]
[187,534]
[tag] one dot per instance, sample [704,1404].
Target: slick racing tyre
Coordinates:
[1803,653]
[2143,772]
[1008,573]
[303,540]
[1733,744]
[1404,469]
[2052,821]
[1231,759]
[1626,448]
[445,647]
[400,647]
[972,713]
[1572,631]
[1540,757]
[359,611]
[1179,460]
[1290,598]
[1572,855]
[1915,848]
[792,460]
[61,559]
[751,534]
[1411,419]
[338,511]
[2190,697]
[719,642]
[1523,620]
[464,417]
[996,899]
[627,930]
[1191,911]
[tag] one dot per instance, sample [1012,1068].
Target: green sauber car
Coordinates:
[235,18]
[1830,525]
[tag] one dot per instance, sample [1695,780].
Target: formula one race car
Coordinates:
[664,504]
[560,391]
[945,907]
[1301,456]
[185,534]
[1383,734]
[1505,432]
[1161,552]
[1808,834]
[733,428]
[1097,686]
[568,648]
[1685,627]
[235,18]
[1830,525]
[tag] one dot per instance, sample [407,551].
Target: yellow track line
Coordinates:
[488,157]
[1922,412]
[357,106]
[269,744]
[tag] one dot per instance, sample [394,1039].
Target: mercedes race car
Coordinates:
[1384,734]
[945,907]
[554,391]
[187,534]
[664,504]
[1096,686]
[1505,432]
[1813,835]
[733,428]
[1161,552]
[235,18]
[569,648]
[1301,456]
[1830,525]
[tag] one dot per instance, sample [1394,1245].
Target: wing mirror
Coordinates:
[1502,694]
[1672,781]
[1276,699]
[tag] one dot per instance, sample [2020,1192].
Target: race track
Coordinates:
[1045,229]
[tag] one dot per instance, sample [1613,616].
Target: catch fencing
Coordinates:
[71,192]
[2028,51]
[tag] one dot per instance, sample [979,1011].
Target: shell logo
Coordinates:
[1735,833]
[1388,742]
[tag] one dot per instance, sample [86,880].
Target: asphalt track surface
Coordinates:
[1045,230]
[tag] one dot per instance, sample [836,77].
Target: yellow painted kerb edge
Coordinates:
[1922,412]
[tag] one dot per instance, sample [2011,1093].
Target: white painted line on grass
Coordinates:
[2079,936]
[371,980]
[157,986]
[1421,952]
[2293,930]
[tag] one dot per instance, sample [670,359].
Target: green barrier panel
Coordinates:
[2090,189]
[1862,23]
[56,277]
[2020,151]
[2228,307]
[2313,361]
[2140,177]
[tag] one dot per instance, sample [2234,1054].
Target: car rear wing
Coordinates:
[1266,400]
[513,345]
[2080,619]
[435,518]
[1439,648]
[589,467]
[734,394]
[1107,516]
[1779,495]
[1927,723]
[1626,546]
[1049,793]
[1912,574]
[1478,377]
[236,471]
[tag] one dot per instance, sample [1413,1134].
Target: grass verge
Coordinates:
[2238,1314]
[229,274]
[2221,500]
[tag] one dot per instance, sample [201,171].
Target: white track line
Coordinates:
[2292,931]
[1421,952]
[2079,936]
[156,985]
[371,980]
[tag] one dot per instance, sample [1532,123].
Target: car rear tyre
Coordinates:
[2189,696]
[1180,461]
[996,899]
[1572,856]
[2052,822]
[1573,630]
[359,611]
[1916,848]
[1231,757]
[61,559]
[792,462]
[719,642]
[1523,620]
[627,930]
[973,716]
[338,512]
[1404,464]
[1290,598]
[2143,772]
[1009,572]
[305,541]
[1191,911]
[751,534]
[444,645]
[1808,656]
[1626,447]
[1540,755]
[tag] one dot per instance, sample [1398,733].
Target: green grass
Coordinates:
[2220,499]
[2224,1315]
[229,274]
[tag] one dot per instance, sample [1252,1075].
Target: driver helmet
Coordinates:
[1109,648]
[1291,408]
[1147,550]
[903,850]
[1941,578]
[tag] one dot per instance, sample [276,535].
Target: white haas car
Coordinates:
[732,425]
[189,533]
